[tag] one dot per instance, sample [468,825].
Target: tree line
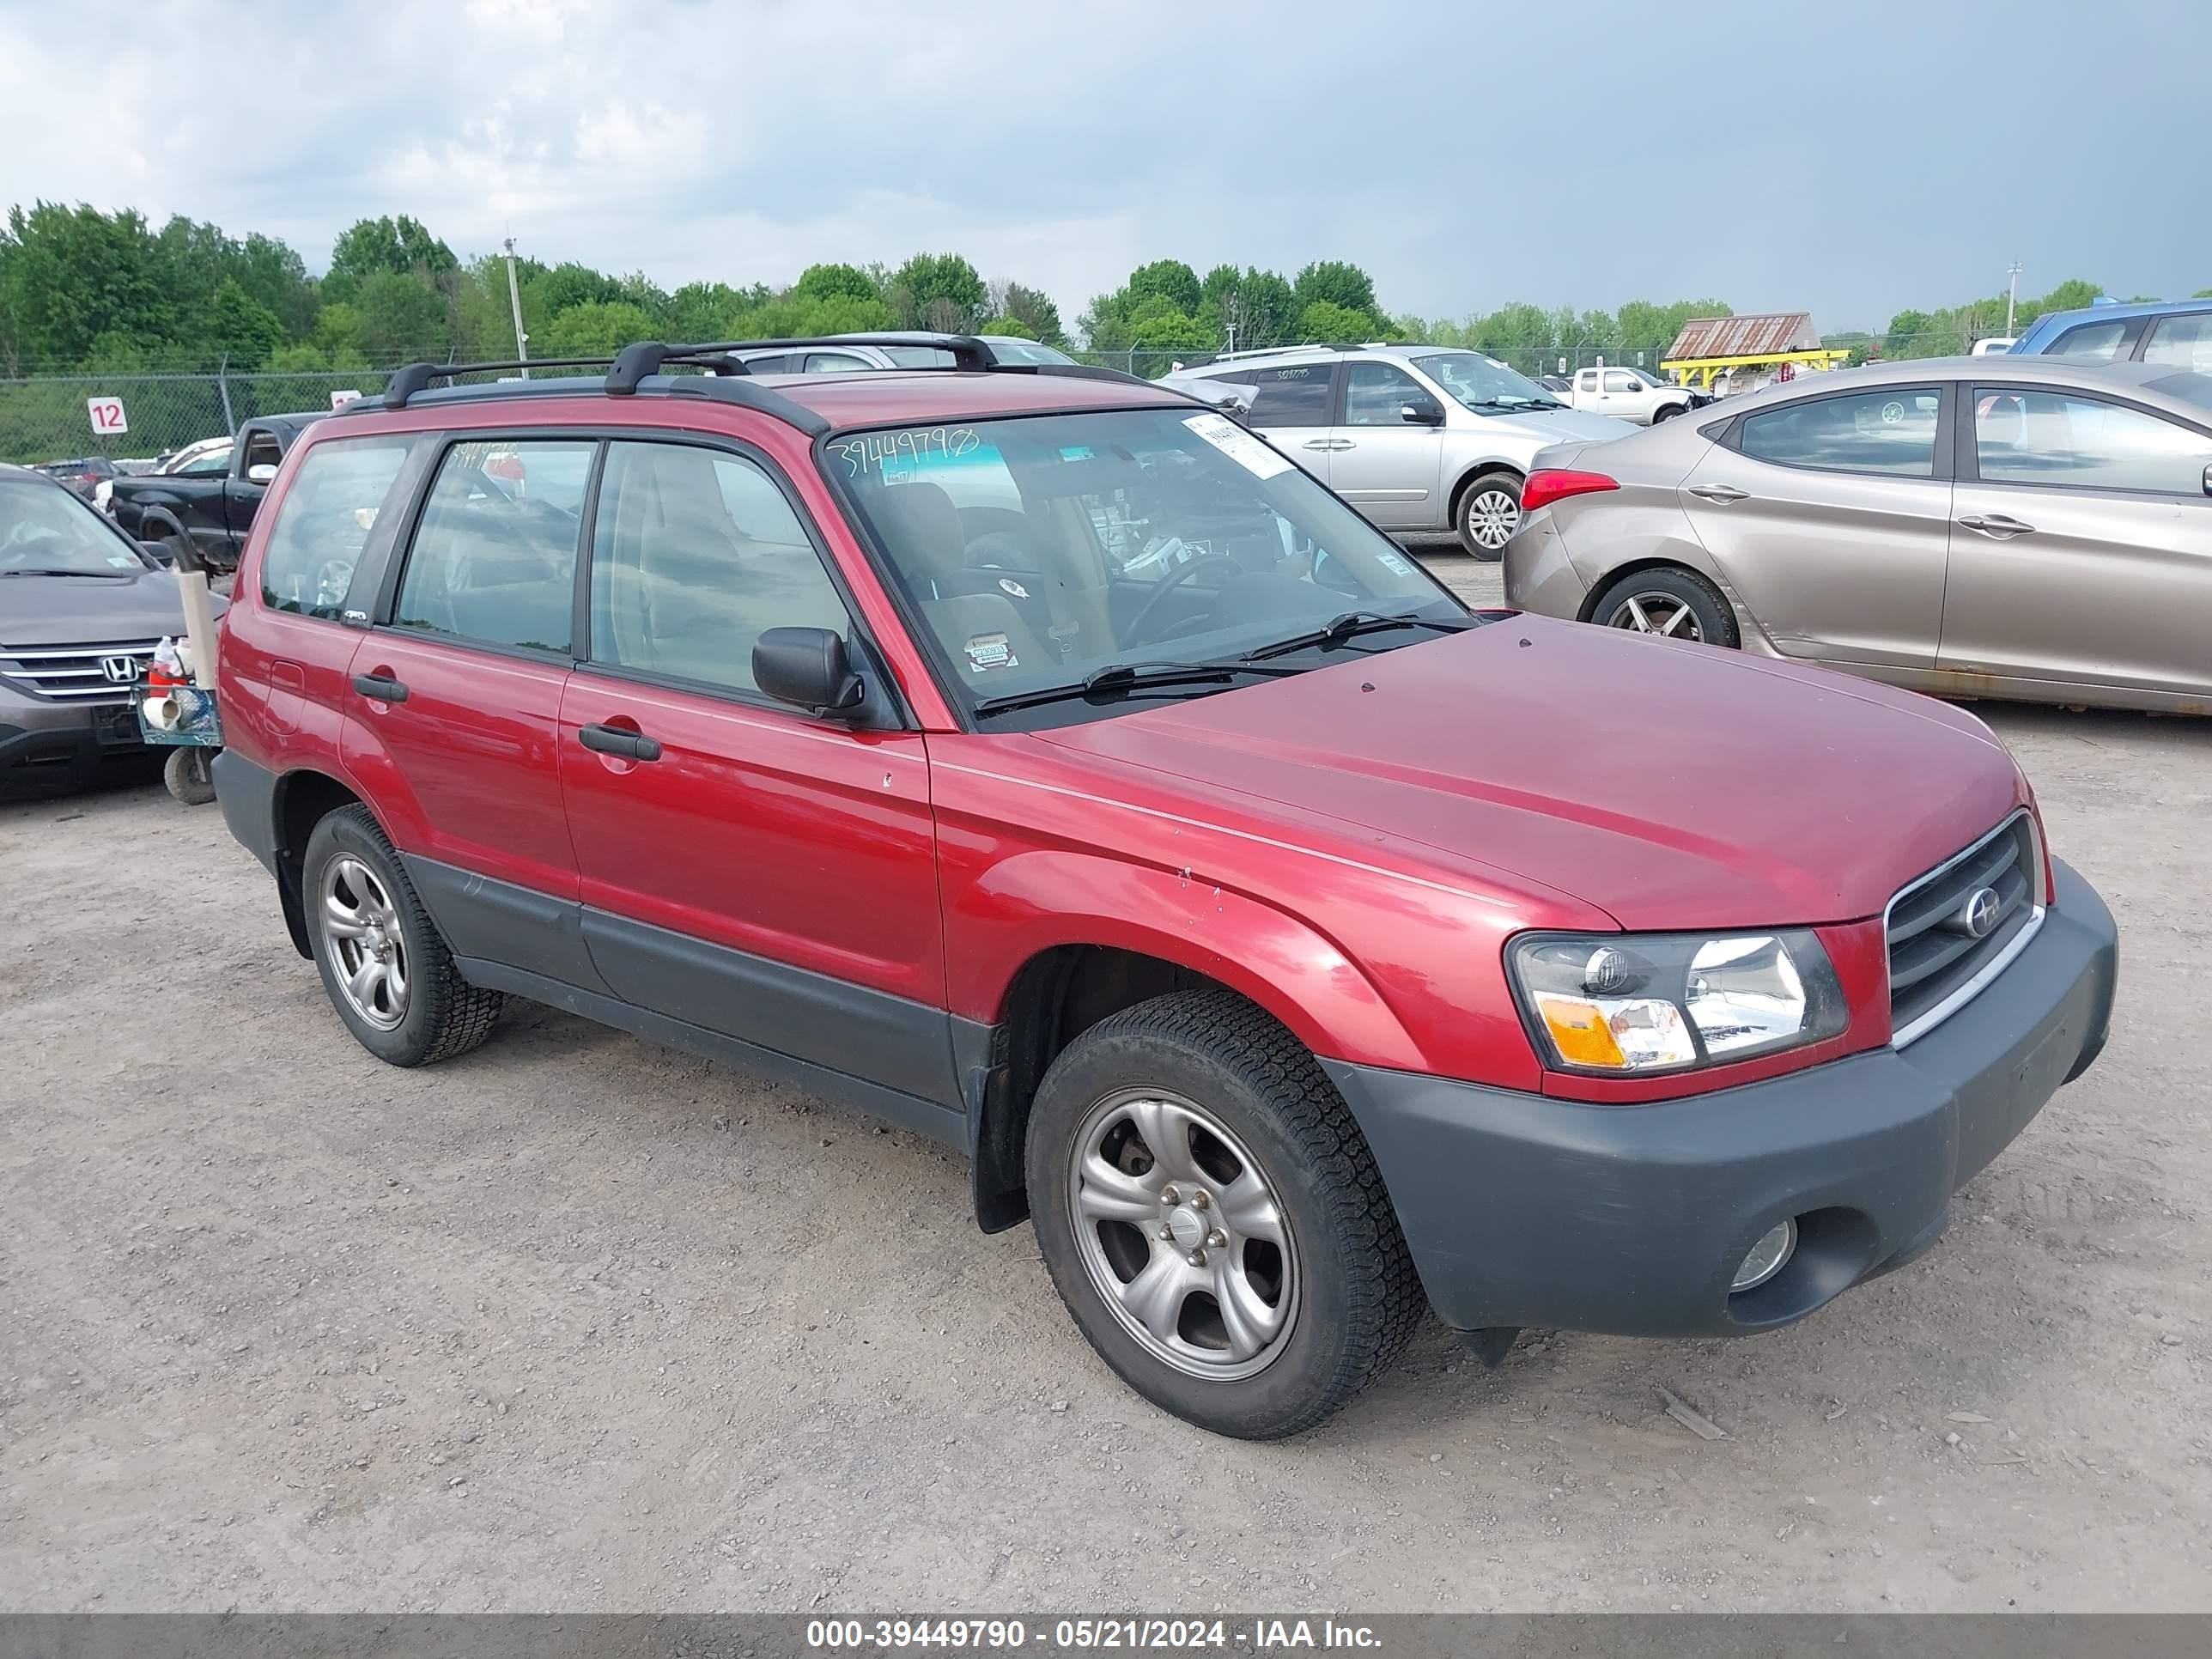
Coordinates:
[84,291]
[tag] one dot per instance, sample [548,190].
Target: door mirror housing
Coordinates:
[2207,480]
[1421,412]
[261,472]
[808,666]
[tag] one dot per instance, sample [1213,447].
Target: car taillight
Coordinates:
[1548,484]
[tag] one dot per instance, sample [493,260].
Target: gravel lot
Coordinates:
[576,1323]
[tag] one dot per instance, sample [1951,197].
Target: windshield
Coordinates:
[1483,384]
[1037,549]
[44,528]
[1650,379]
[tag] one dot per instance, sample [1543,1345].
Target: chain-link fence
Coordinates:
[49,418]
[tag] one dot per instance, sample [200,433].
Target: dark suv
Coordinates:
[1035,758]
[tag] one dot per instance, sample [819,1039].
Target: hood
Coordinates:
[1553,426]
[1672,785]
[86,610]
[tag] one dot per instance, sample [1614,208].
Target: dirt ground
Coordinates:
[576,1323]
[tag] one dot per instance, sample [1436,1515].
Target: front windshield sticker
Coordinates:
[987,651]
[1238,445]
[1393,564]
[916,446]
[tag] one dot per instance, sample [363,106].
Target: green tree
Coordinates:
[1338,283]
[403,318]
[597,328]
[1034,310]
[562,286]
[1160,327]
[834,281]
[1013,325]
[1168,279]
[939,291]
[238,329]
[1325,323]
[337,336]
[68,275]
[394,246]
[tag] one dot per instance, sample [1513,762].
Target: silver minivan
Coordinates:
[1420,438]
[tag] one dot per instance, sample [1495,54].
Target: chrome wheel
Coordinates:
[1656,613]
[1182,1235]
[1493,516]
[366,948]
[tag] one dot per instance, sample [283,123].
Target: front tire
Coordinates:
[1213,1220]
[1489,514]
[385,968]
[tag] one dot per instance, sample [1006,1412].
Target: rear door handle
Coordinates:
[1998,525]
[613,740]
[381,687]
[1719,492]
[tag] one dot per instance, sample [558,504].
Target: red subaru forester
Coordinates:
[1039,760]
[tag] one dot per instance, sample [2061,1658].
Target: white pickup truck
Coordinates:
[1631,394]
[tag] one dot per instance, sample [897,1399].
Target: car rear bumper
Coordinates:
[1525,1210]
[1538,575]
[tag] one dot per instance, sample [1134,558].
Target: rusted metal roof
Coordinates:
[1745,337]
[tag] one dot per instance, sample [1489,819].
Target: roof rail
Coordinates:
[412,377]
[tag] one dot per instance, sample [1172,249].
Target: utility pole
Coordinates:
[514,298]
[2012,292]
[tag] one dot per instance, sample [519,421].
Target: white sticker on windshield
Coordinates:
[1394,564]
[1238,445]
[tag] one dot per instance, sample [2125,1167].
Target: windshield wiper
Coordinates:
[96,575]
[1129,676]
[1352,625]
[1512,403]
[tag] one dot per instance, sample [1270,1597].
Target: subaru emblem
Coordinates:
[1978,916]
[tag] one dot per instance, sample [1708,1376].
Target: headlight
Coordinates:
[1663,1002]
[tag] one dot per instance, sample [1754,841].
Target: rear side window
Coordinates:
[2098,342]
[340,490]
[493,562]
[2181,342]
[695,553]
[1292,397]
[1891,431]
[2046,438]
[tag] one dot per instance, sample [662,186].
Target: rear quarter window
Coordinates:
[341,490]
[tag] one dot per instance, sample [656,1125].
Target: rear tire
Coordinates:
[1671,601]
[385,968]
[1489,513]
[186,773]
[1306,1242]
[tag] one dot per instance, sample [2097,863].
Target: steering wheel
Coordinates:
[1134,633]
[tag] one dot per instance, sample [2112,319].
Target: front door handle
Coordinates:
[1999,525]
[382,687]
[1318,443]
[1719,492]
[613,740]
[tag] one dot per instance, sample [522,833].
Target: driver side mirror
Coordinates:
[1421,412]
[261,472]
[2207,480]
[808,666]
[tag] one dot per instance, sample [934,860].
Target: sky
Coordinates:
[1851,160]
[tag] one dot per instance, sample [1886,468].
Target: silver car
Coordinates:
[832,355]
[1419,438]
[2020,527]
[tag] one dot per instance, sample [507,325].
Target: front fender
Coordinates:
[1035,900]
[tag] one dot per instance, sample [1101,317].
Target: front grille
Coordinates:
[1937,958]
[74,673]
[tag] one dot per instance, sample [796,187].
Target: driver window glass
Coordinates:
[261,449]
[2044,438]
[1619,380]
[494,560]
[1375,392]
[334,502]
[695,554]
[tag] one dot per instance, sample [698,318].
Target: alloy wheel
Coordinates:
[1183,1235]
[367,947]
[1656,613]
[1493,516]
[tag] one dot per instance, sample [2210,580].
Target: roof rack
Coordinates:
[630,367]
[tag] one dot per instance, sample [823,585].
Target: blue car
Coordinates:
[2175,332]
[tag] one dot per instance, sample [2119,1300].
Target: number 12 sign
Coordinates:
[106,415]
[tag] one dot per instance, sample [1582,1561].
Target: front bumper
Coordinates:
[1523,1210]
[60,738]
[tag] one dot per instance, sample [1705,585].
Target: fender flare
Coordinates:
[1302,977]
